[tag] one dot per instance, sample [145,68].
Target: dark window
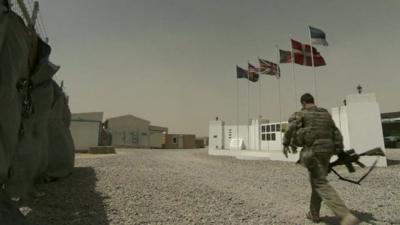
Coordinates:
[273,128]
[215,136]
[278,127]
[273,137]
[174,140]
[264,137]
[262,128]
[268,137]
[268,128]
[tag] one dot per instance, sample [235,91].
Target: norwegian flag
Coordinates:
[253,73]
[270,68]
[302,54]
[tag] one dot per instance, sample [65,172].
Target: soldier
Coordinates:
[313,129]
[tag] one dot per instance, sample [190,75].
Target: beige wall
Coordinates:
[129,131]
[85,134]
[182,141]
[157,140]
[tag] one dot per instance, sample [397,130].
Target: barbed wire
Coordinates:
[39,24]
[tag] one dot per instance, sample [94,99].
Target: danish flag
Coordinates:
[302,54]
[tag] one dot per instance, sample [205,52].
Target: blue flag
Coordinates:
[318,37]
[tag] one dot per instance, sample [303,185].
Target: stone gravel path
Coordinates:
[189,187]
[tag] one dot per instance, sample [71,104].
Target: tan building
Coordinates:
[180,141]
[132,131]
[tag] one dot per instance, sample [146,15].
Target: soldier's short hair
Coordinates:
[307,98]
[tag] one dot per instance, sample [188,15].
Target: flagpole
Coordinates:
[312,64]
[248,106]
[279,91]
[237,111]
[259,112]
[294,76]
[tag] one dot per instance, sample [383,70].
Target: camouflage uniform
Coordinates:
[314,130]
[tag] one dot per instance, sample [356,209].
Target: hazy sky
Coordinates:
[173,61]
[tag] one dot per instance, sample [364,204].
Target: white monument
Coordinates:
[361,126]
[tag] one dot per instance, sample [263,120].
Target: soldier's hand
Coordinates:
[286,150]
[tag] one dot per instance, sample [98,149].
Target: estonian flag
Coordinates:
[318,37]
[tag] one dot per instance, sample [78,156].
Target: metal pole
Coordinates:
[294,78]
[248,108]
[279,93]
[260,113]
[312,64]
[237,112]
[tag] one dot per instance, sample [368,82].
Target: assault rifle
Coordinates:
[349,157]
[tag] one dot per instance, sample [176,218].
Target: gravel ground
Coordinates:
[190,187]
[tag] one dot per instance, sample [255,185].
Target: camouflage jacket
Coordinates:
[315,127]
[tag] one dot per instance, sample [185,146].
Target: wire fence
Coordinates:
[39,24]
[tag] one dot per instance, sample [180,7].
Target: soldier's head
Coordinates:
[307,100]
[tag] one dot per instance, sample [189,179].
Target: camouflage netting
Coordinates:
[35,141]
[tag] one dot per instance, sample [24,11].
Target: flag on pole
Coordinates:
[285,56]
[241,73]
[270,68]
[302,54]
[318,37]
[253,73]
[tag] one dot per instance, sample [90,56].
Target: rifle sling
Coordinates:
[361,179]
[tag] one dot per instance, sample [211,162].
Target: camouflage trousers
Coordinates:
[317,165]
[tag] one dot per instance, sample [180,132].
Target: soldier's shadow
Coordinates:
[73,200]
[363,216]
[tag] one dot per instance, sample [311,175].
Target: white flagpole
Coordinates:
[279,91]
[259,110]
[312,64]
[237,109]
[248,106]
[294,75]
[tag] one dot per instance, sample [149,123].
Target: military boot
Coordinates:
[314,219]
[350,219]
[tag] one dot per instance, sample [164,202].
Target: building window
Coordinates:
[174,140]
[230,133]
[215,136]
[268,132]
[264,137]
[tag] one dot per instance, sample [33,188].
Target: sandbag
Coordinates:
[61,149]
[14,52]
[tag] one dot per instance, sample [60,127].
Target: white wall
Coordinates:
[230,132]
[157,139]
[222,135]
[216,134]
[85,134]
[361,125]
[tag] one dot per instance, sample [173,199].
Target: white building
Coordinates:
[359,122]
[85,129]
